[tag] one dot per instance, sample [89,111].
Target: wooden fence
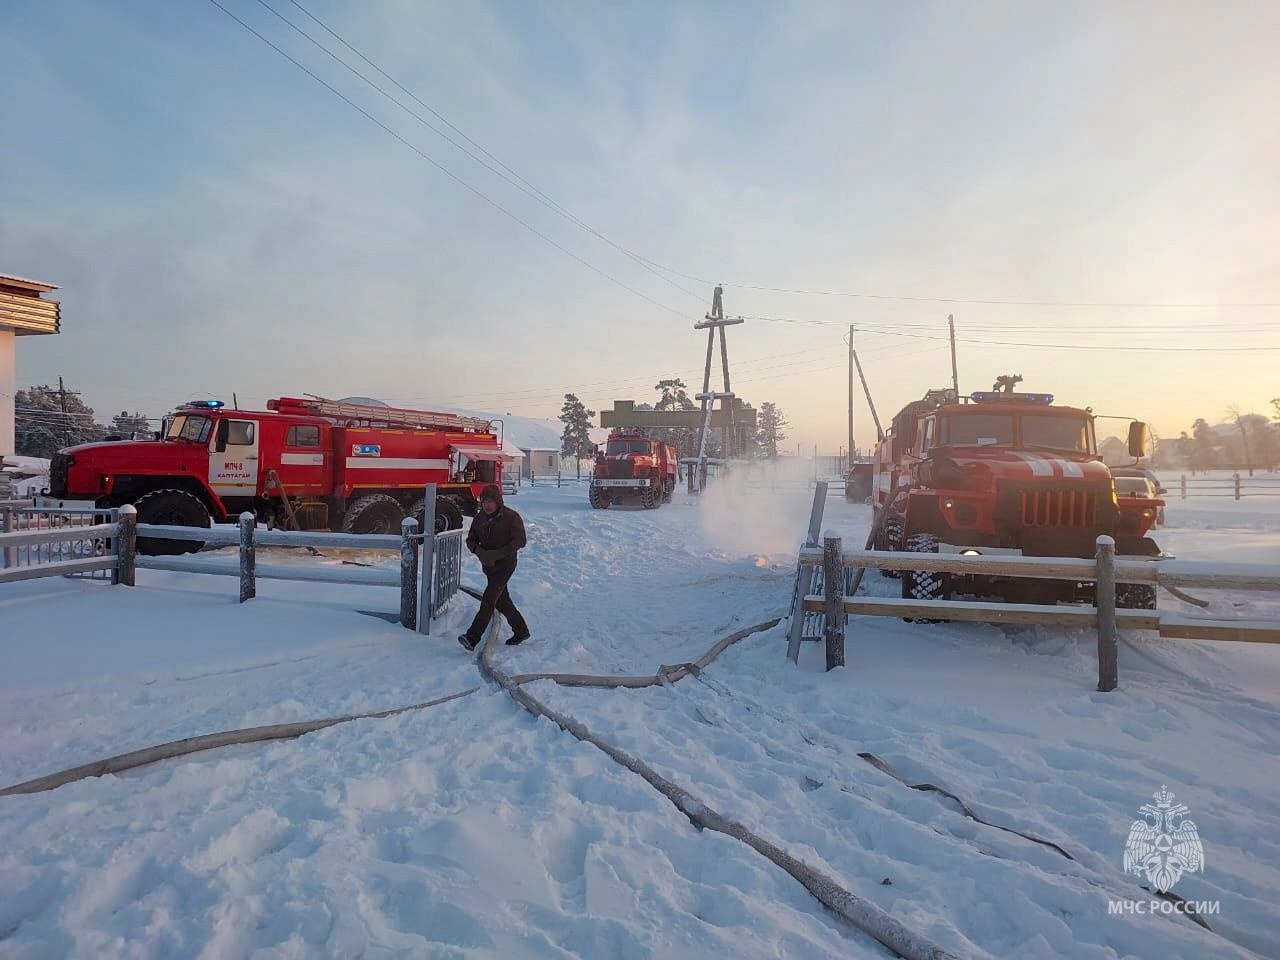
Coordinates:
[1235,486]
[826,584]
[112,547]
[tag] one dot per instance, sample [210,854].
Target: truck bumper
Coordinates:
[621,484]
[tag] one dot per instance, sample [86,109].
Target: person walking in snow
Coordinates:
[496,535]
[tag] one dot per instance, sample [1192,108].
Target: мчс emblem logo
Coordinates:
[1164,844]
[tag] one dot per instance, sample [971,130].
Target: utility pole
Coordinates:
[715,320]
[850,462]
[955,379]
[870,403]
[66,422]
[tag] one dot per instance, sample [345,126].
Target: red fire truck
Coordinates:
[633,466]
[1004,473]
[310,464]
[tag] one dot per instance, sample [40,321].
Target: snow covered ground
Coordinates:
[469,829]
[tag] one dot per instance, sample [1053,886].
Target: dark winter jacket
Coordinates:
[495,539]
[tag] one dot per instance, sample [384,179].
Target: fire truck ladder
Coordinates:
[368,413]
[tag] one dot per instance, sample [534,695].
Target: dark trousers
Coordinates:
[496,597]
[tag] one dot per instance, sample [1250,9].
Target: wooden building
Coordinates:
[24,311]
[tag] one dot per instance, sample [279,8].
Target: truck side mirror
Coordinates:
[1138,439]
[224,430]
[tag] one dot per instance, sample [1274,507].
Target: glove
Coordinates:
[489,557]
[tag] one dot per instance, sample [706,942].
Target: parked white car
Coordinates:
[1139,488]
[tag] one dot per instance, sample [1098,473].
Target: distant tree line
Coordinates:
[1244,441]
[46,419]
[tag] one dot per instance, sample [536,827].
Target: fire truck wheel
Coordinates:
[172,508]
[448,515]
[375,513]
[890,539]
[650,498]
[668,489]
[598,499]
[923,585]
[1135,596]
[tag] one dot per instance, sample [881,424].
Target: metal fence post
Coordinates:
[1236,477]
[1184,486]
[9,556]
[248,558]
[833,574]
[1108,668]
[126,546]
[426,602]
[408,574]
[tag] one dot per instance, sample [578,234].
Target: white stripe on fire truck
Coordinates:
[1038,464]
[1068,468]
[394,463]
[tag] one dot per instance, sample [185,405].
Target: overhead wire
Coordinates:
[896,332]
[446,171]
[498,167]
[488,160]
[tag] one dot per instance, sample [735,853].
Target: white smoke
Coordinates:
[758,508]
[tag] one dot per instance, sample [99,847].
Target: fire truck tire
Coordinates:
[598,499]
[375,513]
[173,508]
[650,498]
[919,584]
[448,514]
[1135,596]
[891,539]
[668,490]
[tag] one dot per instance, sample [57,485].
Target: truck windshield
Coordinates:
[627,446]
[977,430]
[1070,433]
[195,429]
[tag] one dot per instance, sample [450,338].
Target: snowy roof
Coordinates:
[7,279]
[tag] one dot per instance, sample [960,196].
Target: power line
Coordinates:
[501,170]
[979,301]
[1018,343]
[445,170]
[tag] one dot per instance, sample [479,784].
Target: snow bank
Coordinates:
[471,829]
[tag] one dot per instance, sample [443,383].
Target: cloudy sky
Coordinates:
[219,221]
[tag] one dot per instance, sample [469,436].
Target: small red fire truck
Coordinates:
[1004,473]
[312,464]
[633,466]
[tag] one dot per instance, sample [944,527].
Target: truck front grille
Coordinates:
[1058,508]
[621,469]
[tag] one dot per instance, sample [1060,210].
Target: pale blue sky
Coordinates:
[218,221]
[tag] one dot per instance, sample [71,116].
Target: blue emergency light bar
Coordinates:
[988,396]
[207,404]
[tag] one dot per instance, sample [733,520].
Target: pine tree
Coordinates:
[43,425]
[675,396]
[769,430]
[1204,446]
[575,441]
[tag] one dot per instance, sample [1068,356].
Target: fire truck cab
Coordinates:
[1004,473]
